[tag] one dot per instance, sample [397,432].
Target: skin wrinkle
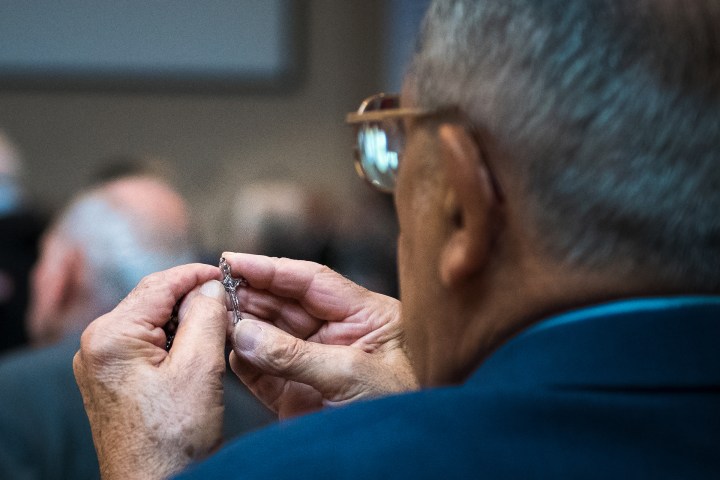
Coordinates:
[310,394]
[283,319]
[332,312]
[291,318]
[302,283]
[352,392]
[264,274]
[121,377]
[552,114]
[288,315]
[361,323]
[307,284]
[282,357]
[156,420]
[147,332]
[381,339]
[178,415]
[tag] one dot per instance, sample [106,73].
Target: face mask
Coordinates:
[10,195]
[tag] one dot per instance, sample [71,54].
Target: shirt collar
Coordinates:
[623,307]
[640,342]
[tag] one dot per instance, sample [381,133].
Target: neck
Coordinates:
[513,299]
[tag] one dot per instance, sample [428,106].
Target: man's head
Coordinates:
[599,122]
[98,249]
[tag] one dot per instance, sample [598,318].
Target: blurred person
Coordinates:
[364,246]
[555,172]
[20,229]
[280,219]
[124,165]
[98,247]
[93,254]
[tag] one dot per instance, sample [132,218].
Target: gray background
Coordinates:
[213,142]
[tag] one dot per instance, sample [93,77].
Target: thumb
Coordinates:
[330,369]
[203,325]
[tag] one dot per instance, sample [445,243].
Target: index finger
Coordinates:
[322,292]
[281,276]
[154,298]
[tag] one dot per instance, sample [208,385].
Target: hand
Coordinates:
[310,337]
[152,412]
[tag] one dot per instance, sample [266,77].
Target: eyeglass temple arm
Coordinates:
[380,115]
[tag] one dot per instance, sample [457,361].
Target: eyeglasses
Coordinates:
[380,138]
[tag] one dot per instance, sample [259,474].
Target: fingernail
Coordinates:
[213,289]
[247,336]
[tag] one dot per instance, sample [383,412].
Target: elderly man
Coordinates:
[559,253]
[93,255]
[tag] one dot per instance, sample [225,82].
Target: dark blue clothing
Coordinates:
[44,431]
[626,390]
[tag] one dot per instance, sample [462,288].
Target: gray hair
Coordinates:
[610,110]
[119,246]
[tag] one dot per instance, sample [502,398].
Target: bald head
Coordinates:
[99,248]
[148,201]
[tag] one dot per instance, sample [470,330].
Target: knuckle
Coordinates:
[206,308]
[152,290]
[286,355]
[145,283]
[77,365]
[87,340]
[95,343]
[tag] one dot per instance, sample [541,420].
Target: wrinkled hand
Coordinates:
[312,338]
[152,412]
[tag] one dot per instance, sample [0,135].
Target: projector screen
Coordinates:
[149,44]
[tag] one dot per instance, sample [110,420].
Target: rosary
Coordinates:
[231,284]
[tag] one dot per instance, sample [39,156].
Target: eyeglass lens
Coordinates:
[380,144]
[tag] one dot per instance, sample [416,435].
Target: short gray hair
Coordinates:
[610,110]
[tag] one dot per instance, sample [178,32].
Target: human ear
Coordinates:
[470,207]
[55,283]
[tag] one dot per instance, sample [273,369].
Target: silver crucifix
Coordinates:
[231,284]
